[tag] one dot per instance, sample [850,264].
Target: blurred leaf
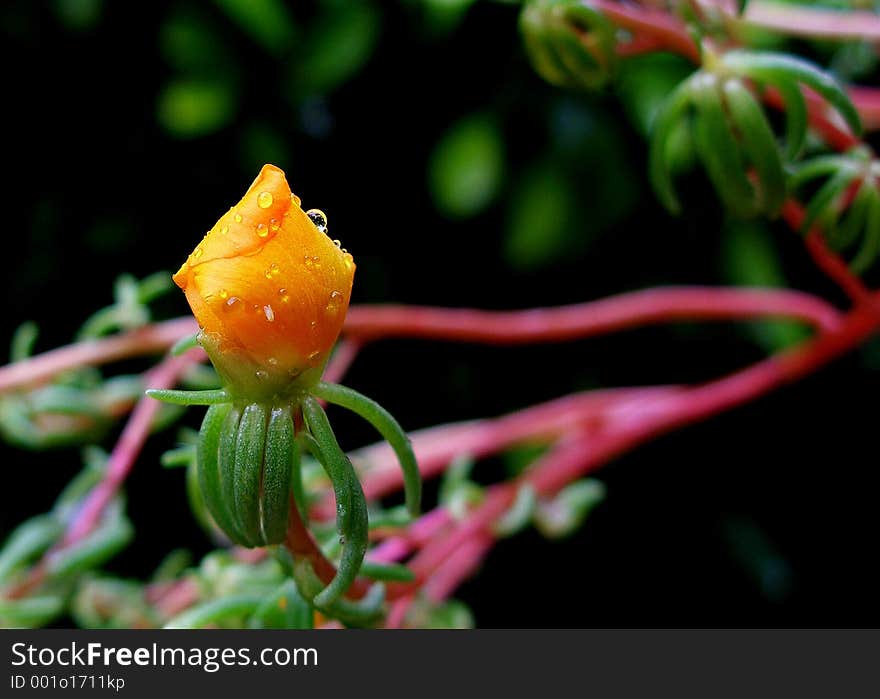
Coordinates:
[268,22]
[338,45]
[193,108]
[466,167]
[750,259]
[442,16]
[540,220]
[188,43]
[79,15]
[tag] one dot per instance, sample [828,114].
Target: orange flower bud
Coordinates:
[269,289]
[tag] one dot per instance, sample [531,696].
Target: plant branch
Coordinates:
[812,22]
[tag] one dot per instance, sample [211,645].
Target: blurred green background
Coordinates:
[456,177]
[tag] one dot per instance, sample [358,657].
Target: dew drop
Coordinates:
[223,294]
[232,302]
[264,200]
[274,225]
[269,313]
[271,361]
[312,355]
[312,261]
[337,243]
[348,260]
[224,230]
[237,218]
[197,253]
[262,230]
[273,271]
[283,295]
[313,325]
[261,374]
[334,302]
[295,199]
[319,218]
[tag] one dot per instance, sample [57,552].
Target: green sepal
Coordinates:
[226,473]
[282,457]
[250,447]
[351,505]
[210,482]
[386,426]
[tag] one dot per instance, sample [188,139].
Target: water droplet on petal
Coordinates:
[312,261]
[337,243]
[283,295]
[334,302]
[237,218]
[262,375]
[273,271]
[224,230]
[231,303]
[348,260]
[271,361]
[223,294]
[274,225]
[319,218]
[262,230]
[264,200]
[295,199]
[312,355]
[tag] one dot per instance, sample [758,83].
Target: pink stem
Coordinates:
[151,339]
[815,22]
[495,327]
[124,454]
[611,314]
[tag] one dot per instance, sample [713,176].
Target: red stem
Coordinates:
[611,314]
[494,327]
[813,22]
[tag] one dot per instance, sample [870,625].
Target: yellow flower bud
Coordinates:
[269,289]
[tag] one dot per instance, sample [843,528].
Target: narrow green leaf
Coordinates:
[210,397]
[719,151]
[759,143]
[664,124]
[775,68]
[386,426]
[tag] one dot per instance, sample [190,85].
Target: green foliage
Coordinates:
[268,22]
[466,169]
[190,108]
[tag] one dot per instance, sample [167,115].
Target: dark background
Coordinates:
[456,177]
